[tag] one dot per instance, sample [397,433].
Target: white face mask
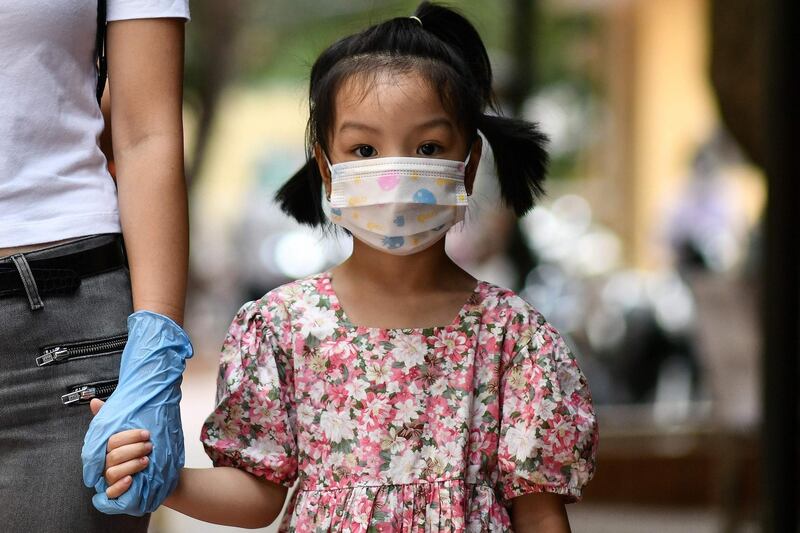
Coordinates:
[399,205]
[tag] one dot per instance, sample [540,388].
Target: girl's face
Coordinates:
[396,115]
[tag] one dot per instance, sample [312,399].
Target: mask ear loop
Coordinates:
[330,170]
[469,152]
[466,164]
[471,205]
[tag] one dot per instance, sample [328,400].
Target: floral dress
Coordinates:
[419,429]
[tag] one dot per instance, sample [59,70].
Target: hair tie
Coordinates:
[414,17]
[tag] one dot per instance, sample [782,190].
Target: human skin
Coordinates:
[401,116]
[145,71]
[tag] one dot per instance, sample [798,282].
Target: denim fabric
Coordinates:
[41,486]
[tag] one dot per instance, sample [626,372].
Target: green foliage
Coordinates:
[257,42]
[280,39]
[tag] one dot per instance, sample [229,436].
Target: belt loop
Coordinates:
[28,281]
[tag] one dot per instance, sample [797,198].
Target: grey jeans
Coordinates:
[41,486]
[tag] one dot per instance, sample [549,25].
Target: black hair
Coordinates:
[446,50]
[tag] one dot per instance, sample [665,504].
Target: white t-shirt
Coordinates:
[53,179]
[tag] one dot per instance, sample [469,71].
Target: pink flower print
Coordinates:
[520,441]
[488,342]
[451,452]
[318,321]
[341,348]
[378,372]
[388,181]
[338,395]
[452,343]
[409,351]
[357,389]
[353,412]
[407,411]
[405,467]
[305,415]
[376,407]
[335,373]
[438,406]
[250,341]
[337,425]
[544,408]
[393,441]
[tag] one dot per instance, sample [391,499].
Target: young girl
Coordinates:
[403,394]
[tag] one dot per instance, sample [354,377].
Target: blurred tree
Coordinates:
[211,47]
[752,72]
[738,49]
[230,40]
[522,16]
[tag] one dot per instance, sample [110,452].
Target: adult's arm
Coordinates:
[145,70]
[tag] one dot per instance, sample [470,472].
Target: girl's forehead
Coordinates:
[387,94]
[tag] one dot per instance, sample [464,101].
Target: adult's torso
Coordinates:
[53,179]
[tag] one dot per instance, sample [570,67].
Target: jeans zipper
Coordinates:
[82,394]
[80,350]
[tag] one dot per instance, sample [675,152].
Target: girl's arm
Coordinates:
[227,496]
[145,69]
[221,495]
[539,513]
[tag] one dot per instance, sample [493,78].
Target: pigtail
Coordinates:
[518,146]
[520,159]
[301,196]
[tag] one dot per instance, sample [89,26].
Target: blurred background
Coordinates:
[646,253]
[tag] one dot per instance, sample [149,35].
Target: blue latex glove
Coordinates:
[147,397]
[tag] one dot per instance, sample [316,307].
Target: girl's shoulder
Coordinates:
[311,291]
[503,306]
[525,332]
[274,312]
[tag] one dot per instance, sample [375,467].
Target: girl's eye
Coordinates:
[366,151]
[428,149]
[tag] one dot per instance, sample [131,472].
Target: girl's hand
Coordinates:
[127,453]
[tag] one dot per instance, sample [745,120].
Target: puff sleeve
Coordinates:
[548,430]
[253,425]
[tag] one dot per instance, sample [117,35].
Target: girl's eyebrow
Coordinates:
[357,126]
[436,122]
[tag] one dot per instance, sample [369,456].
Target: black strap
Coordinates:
[100,49]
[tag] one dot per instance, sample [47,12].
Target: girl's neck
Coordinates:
[376,289]
[429,269]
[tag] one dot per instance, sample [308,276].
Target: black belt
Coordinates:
[62,274]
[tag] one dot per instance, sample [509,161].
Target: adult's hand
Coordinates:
[147,397]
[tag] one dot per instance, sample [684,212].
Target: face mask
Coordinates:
[399,205]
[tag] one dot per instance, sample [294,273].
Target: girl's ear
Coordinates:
[322,165]
[474,160]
